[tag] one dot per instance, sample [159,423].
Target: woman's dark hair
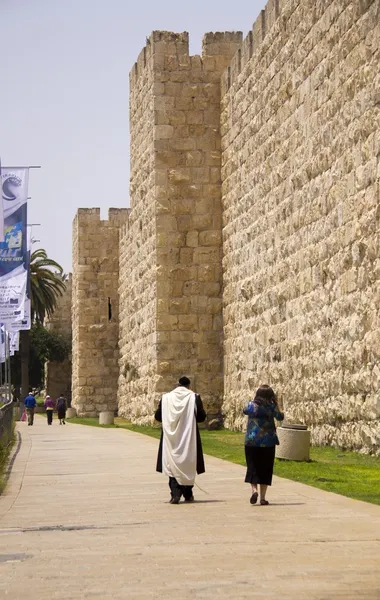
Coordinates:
[265,392]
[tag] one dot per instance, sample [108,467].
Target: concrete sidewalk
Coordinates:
[86,516]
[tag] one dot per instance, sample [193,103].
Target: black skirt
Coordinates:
[61,413]
[260,463]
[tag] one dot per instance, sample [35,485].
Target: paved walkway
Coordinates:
[86,516]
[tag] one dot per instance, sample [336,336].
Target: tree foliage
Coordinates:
[44,345]
[46,285]
[49,345]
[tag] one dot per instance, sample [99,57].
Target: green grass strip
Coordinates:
[347,473]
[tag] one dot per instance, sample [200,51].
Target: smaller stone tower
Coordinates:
[95,311]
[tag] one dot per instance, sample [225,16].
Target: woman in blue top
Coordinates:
[261,440]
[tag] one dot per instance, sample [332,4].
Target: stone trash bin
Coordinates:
[106,418]
[71,413]
[294,442]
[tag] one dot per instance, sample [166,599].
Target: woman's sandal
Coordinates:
[264,502]
[254,497]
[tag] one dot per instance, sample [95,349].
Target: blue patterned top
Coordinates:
[261,430]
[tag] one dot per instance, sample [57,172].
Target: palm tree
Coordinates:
[46,285]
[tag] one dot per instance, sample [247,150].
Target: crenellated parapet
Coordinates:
[266,23]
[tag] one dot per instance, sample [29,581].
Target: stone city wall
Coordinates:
[254,217]
[95,310]
[58,374]
[300,153]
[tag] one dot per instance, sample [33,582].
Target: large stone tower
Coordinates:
[95,310]
[171,250]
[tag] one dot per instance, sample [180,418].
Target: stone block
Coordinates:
[184,223]
[182,206]
[184,273]
[186,256]
[179,306]
[164,367]
[206,273]
[179,337]
[208,351]
[204,206]
[210,255]
[194,158]
[210,238]
[202,221]
[211,289]
[187,322]
[205,323]
[191,288]
[176,288]
[166,322]
[192,239]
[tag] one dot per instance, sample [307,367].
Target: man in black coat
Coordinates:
[180,453]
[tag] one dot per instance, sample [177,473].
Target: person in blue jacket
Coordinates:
[30,404]
[261,441]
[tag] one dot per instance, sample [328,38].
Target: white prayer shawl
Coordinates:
[179,448]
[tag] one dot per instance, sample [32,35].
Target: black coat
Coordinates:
[200,417]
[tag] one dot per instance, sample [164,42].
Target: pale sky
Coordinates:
[64,96]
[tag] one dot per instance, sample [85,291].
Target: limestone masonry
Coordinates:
[250,253]
[95,310]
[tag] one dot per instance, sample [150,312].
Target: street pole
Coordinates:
[9,370]
[6,364]
[1,375]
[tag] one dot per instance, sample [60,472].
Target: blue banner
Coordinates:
[14,262]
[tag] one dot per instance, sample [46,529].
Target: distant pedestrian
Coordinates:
[30,405]
[261,440]
[49,407]
[180,454]
[61,409]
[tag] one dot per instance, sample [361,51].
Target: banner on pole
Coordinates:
[26,322]
[1,215]
[14,264]
[14,341]
[2,344]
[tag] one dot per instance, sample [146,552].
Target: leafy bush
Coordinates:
[45,345]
